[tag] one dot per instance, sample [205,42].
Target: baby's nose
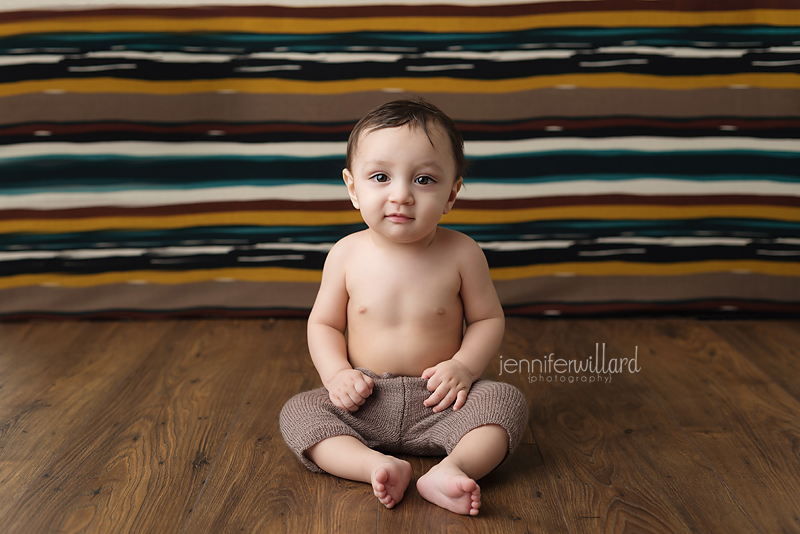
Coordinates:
[401,193]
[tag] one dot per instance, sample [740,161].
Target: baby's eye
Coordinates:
[424,180]
[379,177]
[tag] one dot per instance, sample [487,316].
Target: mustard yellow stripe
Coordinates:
[256,274]
[457,216]
[622,268]
[780,80]
[446,24]
[243,218]
[623,212]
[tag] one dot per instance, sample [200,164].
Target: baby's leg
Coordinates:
[451,484]
[347,457]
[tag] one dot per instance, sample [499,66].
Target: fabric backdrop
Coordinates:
[182,158]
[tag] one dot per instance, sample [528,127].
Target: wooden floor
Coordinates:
[169,427]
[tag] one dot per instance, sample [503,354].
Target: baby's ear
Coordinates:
[349,181]
[453,192]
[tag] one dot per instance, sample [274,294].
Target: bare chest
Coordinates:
[413,293]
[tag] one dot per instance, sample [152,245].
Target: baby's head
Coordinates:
[415,113]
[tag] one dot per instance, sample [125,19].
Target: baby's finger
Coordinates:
[434,382]
[447,401]
[461,398]
[435,398]
[429,372]
[370,382]
[362,388]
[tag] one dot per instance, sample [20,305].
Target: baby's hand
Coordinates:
[349,389]
[449,381]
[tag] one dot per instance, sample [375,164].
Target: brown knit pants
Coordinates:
[394,420]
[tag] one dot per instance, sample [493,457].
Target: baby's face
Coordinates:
[401,183]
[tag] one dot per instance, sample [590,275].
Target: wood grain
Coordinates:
[173,427]
[616,458]
[772,346]
[139,463]
[258,485]
[745,426]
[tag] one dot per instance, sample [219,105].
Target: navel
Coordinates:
[362,309]
[440,311]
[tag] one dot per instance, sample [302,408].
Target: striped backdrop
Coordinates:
[626,156]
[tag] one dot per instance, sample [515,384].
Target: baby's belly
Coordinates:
[406,351]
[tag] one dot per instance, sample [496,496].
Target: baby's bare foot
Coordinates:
[390,480]
[447,486]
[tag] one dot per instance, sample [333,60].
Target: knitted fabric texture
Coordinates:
[394,420]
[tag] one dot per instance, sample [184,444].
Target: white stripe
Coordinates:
[163,252]
[327,57]
[320,192]
[616,63]
[162,57]
[144,198]
[501,55]
[437,68]
[673,51]
[524,245]
[676,241]
[6,61]
[641,186]
[329,149]
[634,143]
[156,149]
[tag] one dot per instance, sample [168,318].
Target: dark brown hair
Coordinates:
[418,114]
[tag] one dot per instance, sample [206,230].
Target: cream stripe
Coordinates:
[337,149]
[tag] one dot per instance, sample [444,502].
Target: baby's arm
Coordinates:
[451,380]
[348,388]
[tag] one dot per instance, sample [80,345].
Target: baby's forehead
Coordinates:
[433,134]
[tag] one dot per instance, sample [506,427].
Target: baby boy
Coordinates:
[387,331]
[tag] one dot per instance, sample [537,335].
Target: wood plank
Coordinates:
[744,424]
[140,462]
[257,484]
[59,378]
[31,357]
[773,347]
[617,460]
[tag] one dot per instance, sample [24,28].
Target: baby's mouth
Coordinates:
[398,217]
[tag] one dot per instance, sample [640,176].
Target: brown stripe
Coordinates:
[588,289]
[159,297]
[572,294]
[223,128]
[180,209]
[219,128]
[400,10]
[706,306]
[349,107]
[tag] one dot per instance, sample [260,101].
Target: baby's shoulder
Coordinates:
[347,247]
[452,242]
